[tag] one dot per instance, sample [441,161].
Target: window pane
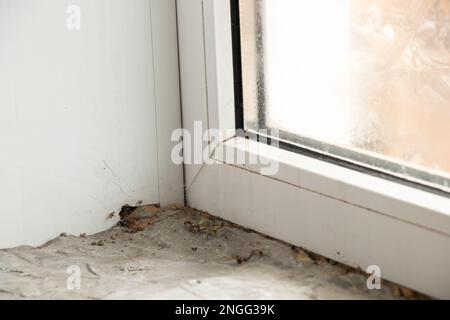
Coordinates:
[363,79]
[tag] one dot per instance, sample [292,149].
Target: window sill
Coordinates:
[378,195]
[347,216]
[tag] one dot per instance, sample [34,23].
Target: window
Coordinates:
[310,201]
[360,81]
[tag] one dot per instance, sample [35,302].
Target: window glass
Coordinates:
[366,80]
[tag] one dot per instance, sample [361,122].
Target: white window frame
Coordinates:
[349,216]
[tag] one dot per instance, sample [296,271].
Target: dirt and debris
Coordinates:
[91,270]
[139,219]
[206,227]
[254,253]
[302,256]
[402,292]
[98,243]
[180,253]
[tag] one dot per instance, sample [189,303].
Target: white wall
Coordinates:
[78,115]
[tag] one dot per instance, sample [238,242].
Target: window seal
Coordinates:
[237,64]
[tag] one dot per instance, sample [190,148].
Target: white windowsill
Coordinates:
[395,200]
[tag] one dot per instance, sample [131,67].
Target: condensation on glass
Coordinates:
[362,79]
